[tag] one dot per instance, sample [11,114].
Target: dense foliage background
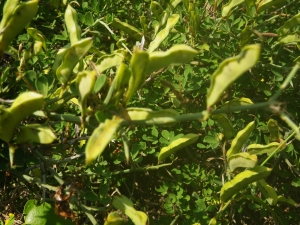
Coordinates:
[185,188]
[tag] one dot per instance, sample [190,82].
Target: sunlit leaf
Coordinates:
[230,70]
[100,138]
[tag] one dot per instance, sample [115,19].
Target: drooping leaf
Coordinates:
[178,54]
[172,20]
[242,159]
[230,70]
[85,82]
[128,29]
[124,204]
[100,137]
[35,133]
[241,181]
[138,65]
[289,25]
[290,38]
[109,61]
[268,192]
[267,4]
[231,4]
[177,144]
[43,214]
[114,218]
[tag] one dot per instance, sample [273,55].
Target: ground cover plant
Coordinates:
[149,112]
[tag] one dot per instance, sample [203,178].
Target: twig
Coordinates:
[34,180]
[45,161]
[140,169]
[7,101]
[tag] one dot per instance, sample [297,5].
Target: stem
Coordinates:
[34,180]
[45,161]
[223,207]
[175,220]
[140,169]
[266,206]
[69,118]
[279,147]
[285,83]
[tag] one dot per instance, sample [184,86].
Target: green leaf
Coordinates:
[138,65]
[71,57]
[172,20]
[290,38]
[178,54]
[268,192]
[287,201]
[43,214]
[36,133]
[289,25]
[231,4]
[241,181]
[226,125]
[121,81]
[230,70]
[241,160]
[267,4]
[88,18]
[41,85]
[177,144]
[259,149]
[108,61]
[100,82]
[114,218]
[100,137]
[124,204]
[156,9]
[85,82]
[128,29]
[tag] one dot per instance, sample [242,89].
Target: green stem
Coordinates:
[174,220]
[69,118]
[34,180]
[223,207]
[266,206]
[45,161]
[285,83]
[140,169]
[278,148]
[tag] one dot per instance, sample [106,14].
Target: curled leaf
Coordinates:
[177,144]
[230,70]
[178,54]
[124,204]
[100,138]
[172,20]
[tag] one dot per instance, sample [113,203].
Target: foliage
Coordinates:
[179,112]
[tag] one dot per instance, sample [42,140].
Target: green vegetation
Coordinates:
[161,112]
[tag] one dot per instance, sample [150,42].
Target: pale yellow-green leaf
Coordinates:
[178,54]
[138,65]
[172,20]
[36,133]
[109,61]
[177,144]
[241,160]
[124,204]
[100,138]
[230,70]
[289,25]
[241,181]
[114,218]
[268,192]
[290,38]
[231,4]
